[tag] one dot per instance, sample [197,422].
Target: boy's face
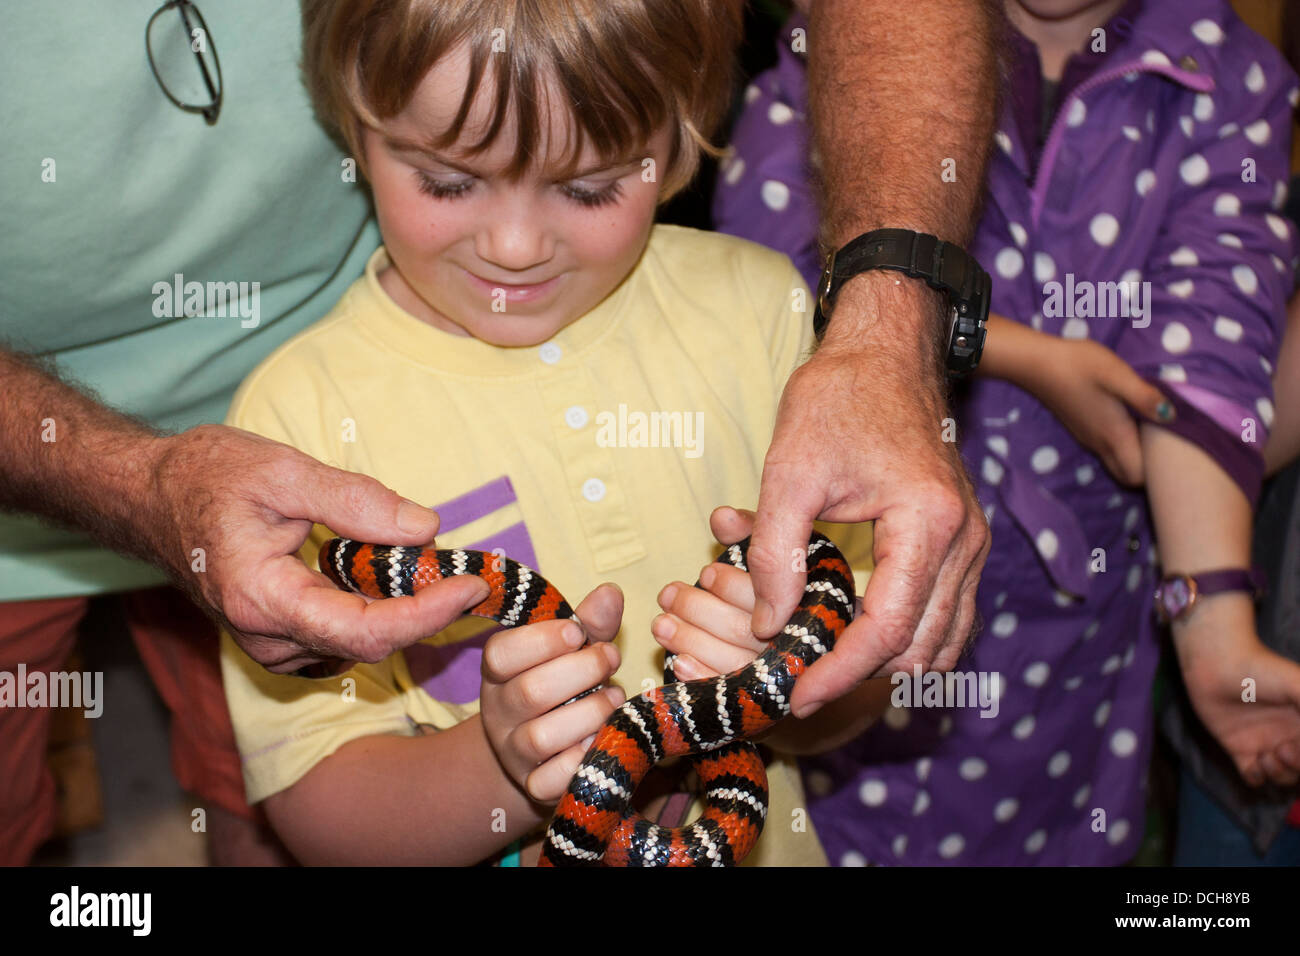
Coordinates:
[474,254]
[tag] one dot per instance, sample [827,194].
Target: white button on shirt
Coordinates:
[576,416]
[550,353]
[593,489]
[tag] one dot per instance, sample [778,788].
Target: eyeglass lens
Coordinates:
[182,51]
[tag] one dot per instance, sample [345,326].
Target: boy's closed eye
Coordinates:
[583,192]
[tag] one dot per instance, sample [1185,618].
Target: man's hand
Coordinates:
[857,440]
[249,504]
[858,435]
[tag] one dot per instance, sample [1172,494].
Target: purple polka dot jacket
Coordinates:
[1144,215]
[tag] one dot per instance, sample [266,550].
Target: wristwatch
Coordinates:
[1177,594]
[944,266]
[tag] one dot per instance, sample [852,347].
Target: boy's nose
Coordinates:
[516,239]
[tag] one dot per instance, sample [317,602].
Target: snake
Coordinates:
[708,721]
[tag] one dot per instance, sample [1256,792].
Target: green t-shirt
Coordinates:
[117,206]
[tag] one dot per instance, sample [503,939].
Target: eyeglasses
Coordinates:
[184,59]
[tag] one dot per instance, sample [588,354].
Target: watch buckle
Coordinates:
[1162,612]
[824,287]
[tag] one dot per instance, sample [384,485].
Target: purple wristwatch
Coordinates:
[1177,594]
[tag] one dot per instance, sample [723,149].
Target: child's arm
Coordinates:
[1203,523]
[456,796]
[1284,437]
[1085,385]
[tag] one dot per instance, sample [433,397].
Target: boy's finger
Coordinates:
[680,637]
[731,584]
[712,614]
[548,782]
[601,612]
[686,667]
[511,652]
[541,738]
[549,684]
[730,525]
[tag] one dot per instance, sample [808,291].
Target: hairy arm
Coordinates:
[247,502]
[896,89]
[70,459]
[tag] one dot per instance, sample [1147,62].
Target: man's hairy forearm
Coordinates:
[897,89]
[71,460]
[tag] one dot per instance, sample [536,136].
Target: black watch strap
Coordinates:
[944,266]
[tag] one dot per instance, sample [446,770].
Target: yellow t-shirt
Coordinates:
[594,457]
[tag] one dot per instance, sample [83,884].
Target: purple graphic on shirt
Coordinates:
[451,672]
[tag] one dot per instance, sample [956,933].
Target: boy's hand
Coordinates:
[1090,390]
[1218,649]
[528,672]
[708,627]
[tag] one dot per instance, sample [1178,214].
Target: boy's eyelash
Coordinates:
[605,196]
[440,190]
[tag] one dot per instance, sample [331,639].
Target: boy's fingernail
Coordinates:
[708,576]
[663,626]
[808,710]
[667,595]
[611,654]
[413,518]
[572,634]
[586,744]
[763,615]
[1165,411]
[683,669]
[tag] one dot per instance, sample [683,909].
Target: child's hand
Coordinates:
[1090,390]
[528,672]
[1218,649]
[708,629]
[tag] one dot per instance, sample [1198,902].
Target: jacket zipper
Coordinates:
[1047,159]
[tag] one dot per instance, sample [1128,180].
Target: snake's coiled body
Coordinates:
[709,720]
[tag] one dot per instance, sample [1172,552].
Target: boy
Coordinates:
[522,300]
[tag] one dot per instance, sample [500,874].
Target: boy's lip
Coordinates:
[515,292]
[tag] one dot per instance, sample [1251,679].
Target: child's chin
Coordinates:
[517,331]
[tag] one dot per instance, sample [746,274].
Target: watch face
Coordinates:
[1174,596]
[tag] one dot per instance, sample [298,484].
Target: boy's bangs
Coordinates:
[522,54]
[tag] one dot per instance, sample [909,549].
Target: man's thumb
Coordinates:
[773,559]
[362,508]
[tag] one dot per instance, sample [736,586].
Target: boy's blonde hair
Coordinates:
[623,67]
